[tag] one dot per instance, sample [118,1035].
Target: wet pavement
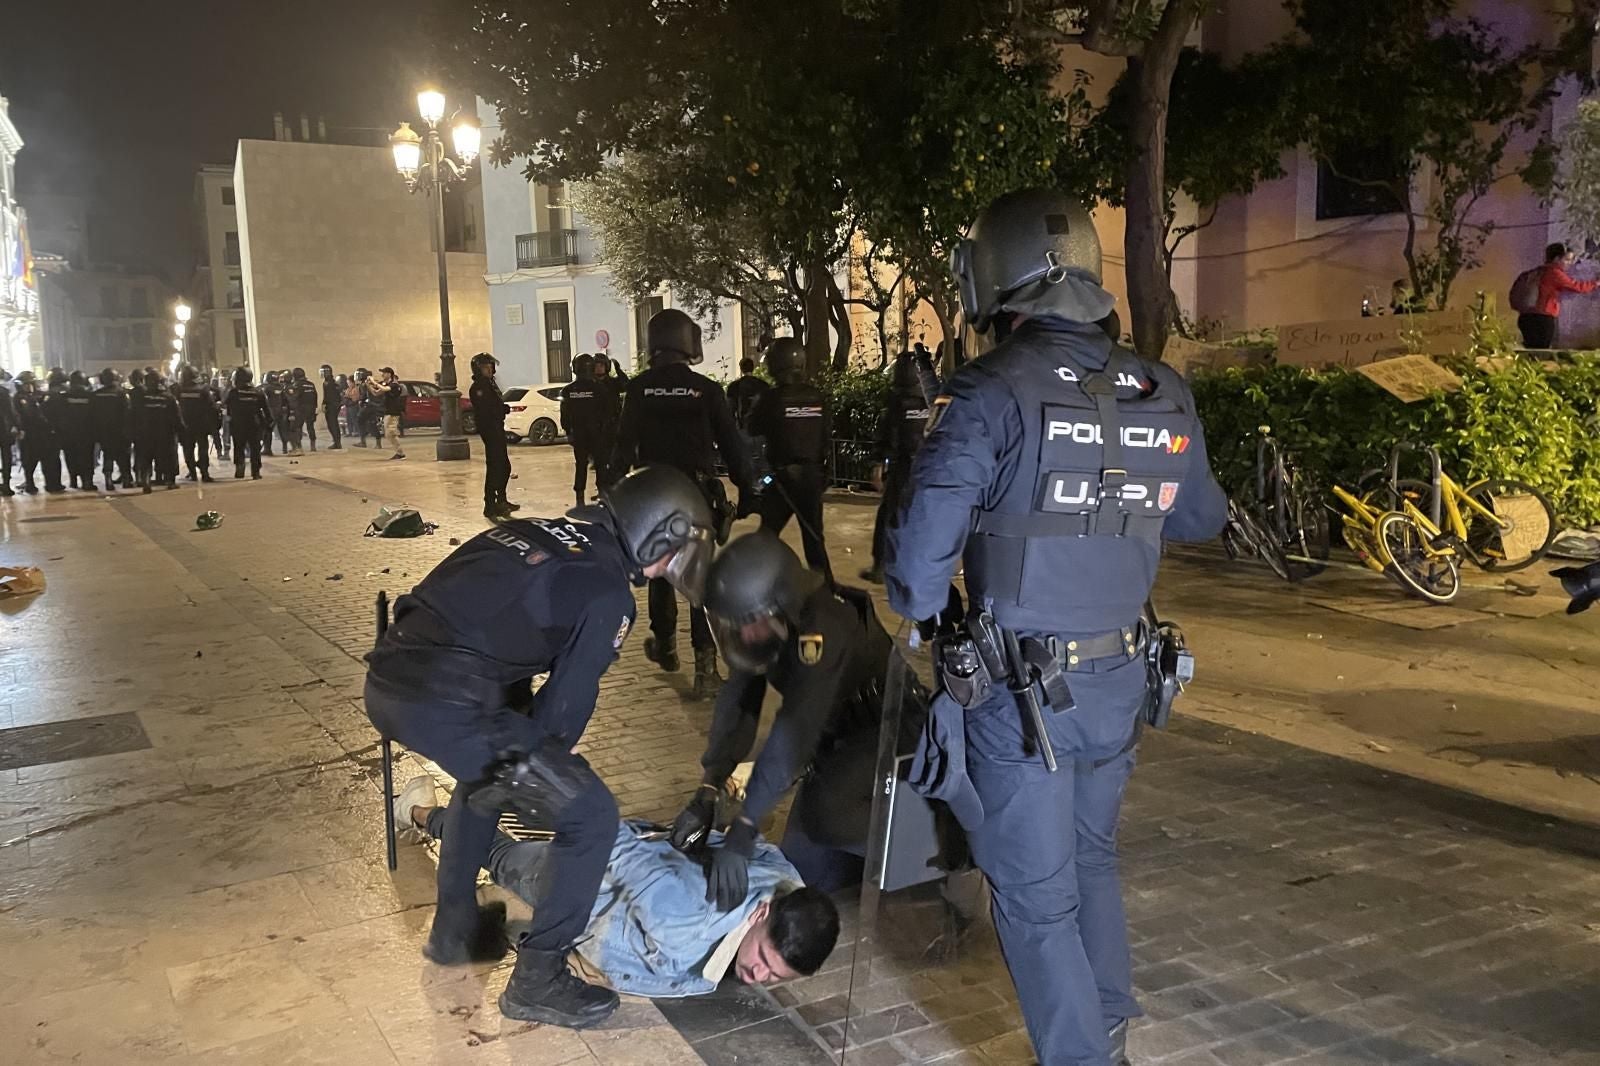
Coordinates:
[1369,838]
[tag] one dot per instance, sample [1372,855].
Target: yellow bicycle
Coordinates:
[1497,524]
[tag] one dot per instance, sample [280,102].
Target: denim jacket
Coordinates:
[652,931]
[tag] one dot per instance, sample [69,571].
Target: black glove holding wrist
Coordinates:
[728,880]
[689,829]
[928,628]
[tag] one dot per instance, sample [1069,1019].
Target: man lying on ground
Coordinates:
[652,931]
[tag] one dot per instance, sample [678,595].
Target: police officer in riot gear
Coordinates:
[108,413]
[489,411]
[1055,466]
[76,430]
[50,426]
[900,433]
[825,653]
[586,416]
[8,432]
[793,419]
[675,416]
[332,403]
[158,424]
[449,679]
[249,420]
[303,403]
[199,409]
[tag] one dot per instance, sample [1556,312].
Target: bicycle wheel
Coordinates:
[1526,524]
[1436,578]
[1256,522]
[1309,537]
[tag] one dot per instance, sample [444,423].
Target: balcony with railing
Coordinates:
[548,249]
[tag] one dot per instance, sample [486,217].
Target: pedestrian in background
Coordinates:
[391,395]
[744,391]
[1539,319]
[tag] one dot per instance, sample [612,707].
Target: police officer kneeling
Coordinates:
[1055,466]
[451,679]
[826,654]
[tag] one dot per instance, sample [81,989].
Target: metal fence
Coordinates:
[850,466]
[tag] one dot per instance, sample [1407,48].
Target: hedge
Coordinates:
[1527,420]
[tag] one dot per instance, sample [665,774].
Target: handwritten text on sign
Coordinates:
[1356,342]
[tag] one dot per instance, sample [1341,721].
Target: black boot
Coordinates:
[192,475]
[238,473]
[542,989]
[205,475]
[706,677]
[477,937]
[873,573]
[578,499]
[7,490]
[664,653]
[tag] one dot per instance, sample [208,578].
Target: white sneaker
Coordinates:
[417,793]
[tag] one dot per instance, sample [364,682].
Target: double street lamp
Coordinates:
[424,164]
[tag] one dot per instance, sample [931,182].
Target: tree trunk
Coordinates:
[947,330]
[1149,290]
[839,318]
[816,333]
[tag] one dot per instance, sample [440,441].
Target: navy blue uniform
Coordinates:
[108,410]
[794,421]
[900,435]
[489,412]
[1060,538]
[450,679]
[589,414]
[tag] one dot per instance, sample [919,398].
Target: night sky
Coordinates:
[122,101]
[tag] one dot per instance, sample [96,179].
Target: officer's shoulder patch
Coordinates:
[622,634]
[811,648]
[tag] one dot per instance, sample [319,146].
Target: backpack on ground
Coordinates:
[398,522]
[1525,291]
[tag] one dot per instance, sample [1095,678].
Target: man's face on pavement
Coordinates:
[757,961]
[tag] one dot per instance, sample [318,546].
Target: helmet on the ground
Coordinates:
[786,360]
[1035,252]
[658,511]
[242,377]
[754,594]
[108,376]
[483,365]
[208,520]
[673,333]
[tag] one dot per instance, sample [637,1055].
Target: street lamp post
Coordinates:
[180,334]
[423,162]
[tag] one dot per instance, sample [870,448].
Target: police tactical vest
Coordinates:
[1072,543]
[585,409]
[800,437]
[912,422]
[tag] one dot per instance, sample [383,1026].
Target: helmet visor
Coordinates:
[752,643]
[689,565]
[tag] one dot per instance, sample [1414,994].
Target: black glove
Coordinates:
[689,829]
[728,880]
[928,628]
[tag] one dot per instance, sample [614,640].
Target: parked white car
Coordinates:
[534,414]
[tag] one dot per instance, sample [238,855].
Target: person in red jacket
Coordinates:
[1539,326]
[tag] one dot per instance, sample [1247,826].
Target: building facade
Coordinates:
[550,293]
[218,337]
[337,263]
[20,340]
[95,319]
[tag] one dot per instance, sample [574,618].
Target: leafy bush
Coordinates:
[858,398]
[1524,421]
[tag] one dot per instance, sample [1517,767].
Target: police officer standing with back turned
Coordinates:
[303,402]
[900,434]
[77,432]
[159,423]
[1055,466]
[489,411]
[586,406]
[108,409]
[450,680]
[793,419]
[675,416]
[248,419]
[199,409]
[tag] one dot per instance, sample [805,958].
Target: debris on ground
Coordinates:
[20,581]
[1519,588]
[208,520]
[454,541]
[1575,544]
[1313,636]
[399,522]
[335,577]
[288,579]
[1383,748]
[199,655]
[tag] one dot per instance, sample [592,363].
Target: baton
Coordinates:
[1025,689]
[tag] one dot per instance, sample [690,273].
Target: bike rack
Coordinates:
[1434,503]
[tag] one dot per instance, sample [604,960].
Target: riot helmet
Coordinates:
[583,367]
[58,377]
[754,596]
[483,365]
[299,373]
[658,511]
[327,372]
[77,380]
[786,360]
[1032,252]
[108,377]
[242,377]
[673,335]
[187,376]
[602,366]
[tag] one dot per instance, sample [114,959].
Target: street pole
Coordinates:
[452,443]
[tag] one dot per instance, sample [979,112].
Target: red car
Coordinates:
[422,406]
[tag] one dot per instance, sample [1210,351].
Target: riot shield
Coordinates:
[918,926]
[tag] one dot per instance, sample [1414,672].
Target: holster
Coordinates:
[1171,667]
[962,668]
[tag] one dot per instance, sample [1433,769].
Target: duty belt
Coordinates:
[1076,653]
